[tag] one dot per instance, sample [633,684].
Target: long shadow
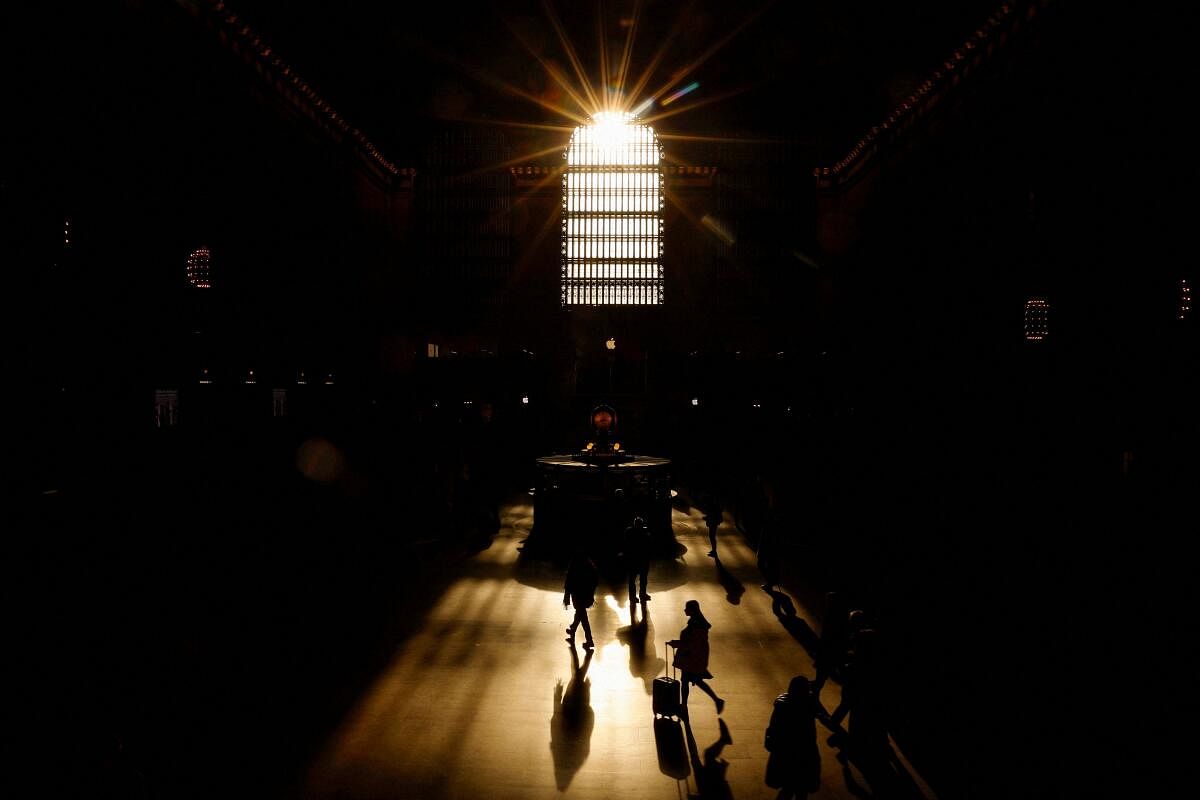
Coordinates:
[710,771]
[571,725]
[734,589]
[884,772]
[785,611]
[643,663]
[852,785]
[885,779]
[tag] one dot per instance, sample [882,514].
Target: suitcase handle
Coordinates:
[668,667]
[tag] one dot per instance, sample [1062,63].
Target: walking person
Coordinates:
[579,591]
[794,766]
[691,655]
[860,670]
[767,563]
[835,633]
[635,546]
[769,541]
[712,518]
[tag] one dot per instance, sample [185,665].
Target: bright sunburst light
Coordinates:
[613,179]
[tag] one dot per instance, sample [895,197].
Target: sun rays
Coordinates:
[488,79]
[572,56]
[610,90]
[574,96]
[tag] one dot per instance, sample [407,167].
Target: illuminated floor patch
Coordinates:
[486,700]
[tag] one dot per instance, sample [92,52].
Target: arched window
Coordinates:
[198,269]
[612,214]
[1037,318]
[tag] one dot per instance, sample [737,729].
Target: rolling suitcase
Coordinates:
[666,693]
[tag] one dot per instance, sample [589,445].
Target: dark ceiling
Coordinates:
[821,72]
[96,91]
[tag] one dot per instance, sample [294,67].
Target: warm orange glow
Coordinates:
[489,79]
[627,52]
[602,420]
[572,56]
[551,70]
[607,107]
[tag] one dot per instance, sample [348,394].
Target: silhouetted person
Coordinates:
[691,655]
[794,766]
[768,542]
[867,728]
[867,744]
[713,520]
[580,592]
[835,633]
[635,546]
[858,673]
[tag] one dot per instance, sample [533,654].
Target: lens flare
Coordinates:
[320,460]
[691,87]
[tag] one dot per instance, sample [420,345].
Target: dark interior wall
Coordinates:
[999,480]
[136,124]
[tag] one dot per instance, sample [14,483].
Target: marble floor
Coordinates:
[487,700]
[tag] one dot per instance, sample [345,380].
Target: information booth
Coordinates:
[590,496]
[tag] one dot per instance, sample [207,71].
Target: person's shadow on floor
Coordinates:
[709,772]
[785,611]
[879,766]
[571,725]
[734,589]
[642,663]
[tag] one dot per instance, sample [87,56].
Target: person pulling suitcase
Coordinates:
[691,655]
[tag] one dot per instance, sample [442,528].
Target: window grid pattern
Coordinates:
[1037,313]
[463,210]
[612,215]
[198,269]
